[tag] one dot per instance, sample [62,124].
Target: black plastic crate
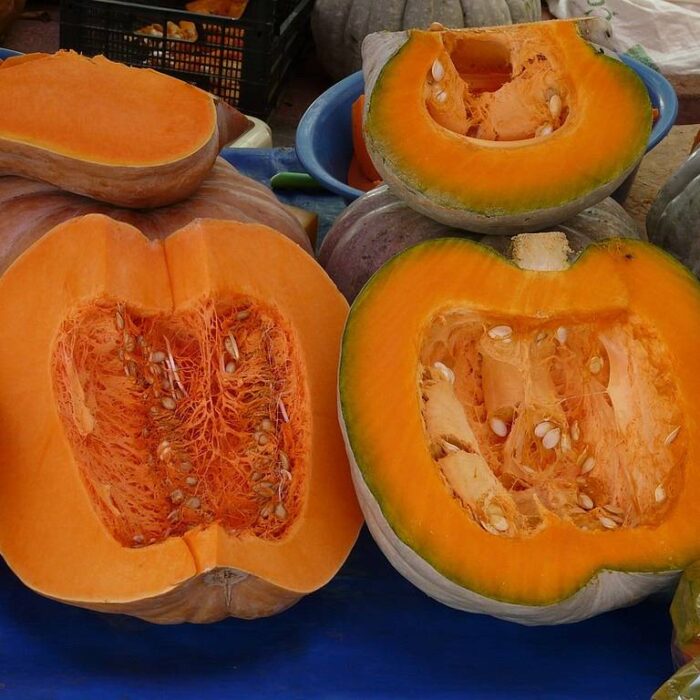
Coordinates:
[244,61]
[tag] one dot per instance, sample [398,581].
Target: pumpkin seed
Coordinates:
[500,332]
[283,410]
[168,402]
[177,496]
[232,346]
[609,523]
[588,465]
[194,503]
[585,501]
[615,510]
[672,435]
[137,539]
[562,334]
[498,426]
[157,356]
[544,130]
[242,315]
[437,70]
[499,523]
[551,439]
[256,476]
[441,97]
[119,321]
[280,512]
[565,442]
[284,460]
[266,424]
[660,494]
[595,364]
[185,466]
[445,371]
[541,429]
[575,432]
[230,367]
[555,106]
[191,480]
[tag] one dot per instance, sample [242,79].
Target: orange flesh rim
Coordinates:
[139,117]
[382,409]
[608,119]
[52,533]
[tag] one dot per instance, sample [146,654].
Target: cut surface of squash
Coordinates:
[505,128]
[516,433]
[182,436]
[129,136]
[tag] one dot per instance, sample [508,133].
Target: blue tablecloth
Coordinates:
[368,634]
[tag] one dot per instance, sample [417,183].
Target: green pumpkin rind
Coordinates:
[673,222]
[339,26]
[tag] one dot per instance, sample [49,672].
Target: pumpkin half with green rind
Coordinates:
[522,436]
[504,129]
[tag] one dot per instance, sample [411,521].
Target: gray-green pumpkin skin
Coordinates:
[378,226]
[339,26]
[673,222]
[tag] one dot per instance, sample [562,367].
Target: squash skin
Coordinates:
[122,184]
[378,226]
[339,26]
[602,588]
[209,575]
[673,222]
[380,51]
[31,209]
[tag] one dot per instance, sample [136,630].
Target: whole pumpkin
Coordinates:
[339,26]
[673,222]
[30,209]
[378,226]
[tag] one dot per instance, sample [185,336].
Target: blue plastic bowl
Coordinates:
[324,135]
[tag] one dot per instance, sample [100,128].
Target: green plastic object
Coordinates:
[294,181]
[684,684]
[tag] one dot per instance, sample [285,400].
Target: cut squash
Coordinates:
[523,441]
[128,136]
[168,436]
[505,129]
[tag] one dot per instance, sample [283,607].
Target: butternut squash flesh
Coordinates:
[520,432]
[183,460]
[128,136]
[505,128]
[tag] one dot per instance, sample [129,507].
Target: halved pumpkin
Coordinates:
[168,438]
[524,441]
[132,137]
[504,129]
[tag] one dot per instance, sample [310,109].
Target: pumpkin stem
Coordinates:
[543,252]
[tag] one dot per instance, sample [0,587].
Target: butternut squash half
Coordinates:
[504,129]
[168,435]
[524,442]
[128,136]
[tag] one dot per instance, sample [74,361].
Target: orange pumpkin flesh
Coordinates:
[169,414]
[455,360]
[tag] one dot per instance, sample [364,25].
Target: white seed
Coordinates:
[137,539]
[575,431]
[242,315]
[230,367]
[185,466]
[232,346]
[565,442]
[284,460]
[441,96]
[177,496]
[615,510]
[595,364]
[193,503]
[488,527]
[585,501]
[262,439]
[555,106]
[500,332]
[498,426]
[445,371]
[449,447]
[280,512]
[283,410]
[551,439]
[660,494]
[541,429]
[544,130]
[157,356]
[499,523]
[191,480]
[266,424]
[562,334]
[119,320]
[609,523]
[588,465]
[168,402]
[437,70]
[436,27]
[540,337]
[672,435]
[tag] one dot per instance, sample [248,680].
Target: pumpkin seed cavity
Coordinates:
[496,89]
[579,422]
[184,420]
